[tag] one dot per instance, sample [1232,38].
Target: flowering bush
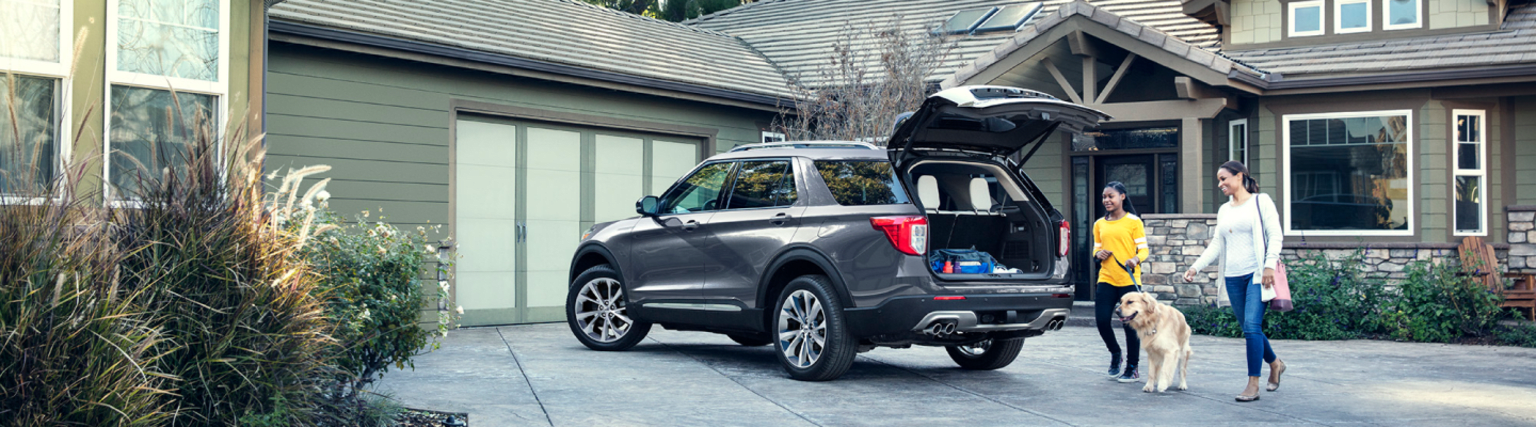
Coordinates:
[371,275]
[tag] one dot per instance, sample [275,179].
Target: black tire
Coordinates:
[997,354]
[750,340]
[606,319]
[838,348]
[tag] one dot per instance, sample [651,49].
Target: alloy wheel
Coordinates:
[600,310]
[802,329]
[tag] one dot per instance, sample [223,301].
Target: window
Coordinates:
[1351,16]
[1401,14]
[966,20]
[772,137]
[859,183]
[1237,140]
[763,184]
[1306,18]
[1010,18]
[1470,171]
[152,47]
[700,192]
[1349,174]
[35,54]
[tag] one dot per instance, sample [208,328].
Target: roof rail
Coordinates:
[805,144]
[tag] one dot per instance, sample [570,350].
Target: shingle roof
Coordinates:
[798,34]
[555,31]
[1514,43]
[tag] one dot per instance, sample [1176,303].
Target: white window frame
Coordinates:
[1321,16]
[1285,173]
[1481,172]
[764,135]
[57,70]
[218,89]
[1338,17]
[1233,141]
[1386,16]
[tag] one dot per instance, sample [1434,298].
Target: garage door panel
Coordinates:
[546,289]
[487,191]
[669,161]
[486,290]
[487,245]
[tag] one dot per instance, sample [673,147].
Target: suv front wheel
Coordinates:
[987,354]
[812,335]
[598,312]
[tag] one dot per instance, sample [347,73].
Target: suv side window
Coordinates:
[700,192]
[763,184]
[862,182]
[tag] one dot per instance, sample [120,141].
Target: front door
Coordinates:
[759,218]
[1137,172]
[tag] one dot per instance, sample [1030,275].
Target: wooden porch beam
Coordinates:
[1177,109]
[1061,80]
[1090,79]
[1191,164]
[1188,88]
[1082,44]
[1115,80]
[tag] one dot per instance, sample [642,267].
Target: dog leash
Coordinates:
[1130,271]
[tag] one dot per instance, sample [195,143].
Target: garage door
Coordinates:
[523,194]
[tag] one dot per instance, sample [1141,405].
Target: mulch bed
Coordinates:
[425,418]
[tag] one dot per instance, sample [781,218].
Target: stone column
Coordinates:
[1176,241]
[1521,223]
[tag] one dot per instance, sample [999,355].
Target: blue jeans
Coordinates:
[1245,296]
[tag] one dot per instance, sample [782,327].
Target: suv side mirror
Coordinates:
[646,206]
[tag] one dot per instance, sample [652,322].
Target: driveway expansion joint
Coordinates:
[526,380]
[738,383]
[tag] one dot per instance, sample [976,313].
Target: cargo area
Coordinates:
[977,206]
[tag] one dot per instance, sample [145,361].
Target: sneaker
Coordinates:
[1114,365]
[1130,375]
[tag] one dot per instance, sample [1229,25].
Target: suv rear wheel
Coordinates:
[598,312]
[987,354]
[812,334]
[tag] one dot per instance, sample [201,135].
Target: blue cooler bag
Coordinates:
[961,261]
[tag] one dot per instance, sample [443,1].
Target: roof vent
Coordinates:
[966,21]
[1010,18]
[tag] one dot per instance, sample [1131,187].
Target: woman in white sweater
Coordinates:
[1247,240]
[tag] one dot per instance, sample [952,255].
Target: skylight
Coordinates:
[966,20]
[1010,18]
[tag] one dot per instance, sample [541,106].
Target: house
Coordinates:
[1395,127]
[517,123]
[95,76]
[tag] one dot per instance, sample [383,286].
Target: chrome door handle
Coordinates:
[690,225]
[779,219]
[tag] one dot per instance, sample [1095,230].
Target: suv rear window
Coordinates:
[862,182]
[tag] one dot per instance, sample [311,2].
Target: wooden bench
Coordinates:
[1479,261]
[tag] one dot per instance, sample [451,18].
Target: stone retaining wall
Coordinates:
[1177,240]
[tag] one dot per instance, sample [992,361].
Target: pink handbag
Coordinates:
[1282,300]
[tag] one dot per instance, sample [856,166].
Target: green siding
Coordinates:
[1263,154]
[1046,171]
[1495,202]
[1525,150]
[1432,157]
[383,125]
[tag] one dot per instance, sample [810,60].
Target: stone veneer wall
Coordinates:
[1177,240]
[1522,238]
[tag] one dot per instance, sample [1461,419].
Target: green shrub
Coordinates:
[1332,301]
[1435,304]
[242,311]
[372,274]
[1523,335]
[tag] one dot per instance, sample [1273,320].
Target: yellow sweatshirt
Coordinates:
[1125,238]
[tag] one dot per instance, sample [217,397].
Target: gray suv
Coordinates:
[827,249]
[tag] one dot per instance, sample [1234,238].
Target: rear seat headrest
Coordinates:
[928,192]
[981,195]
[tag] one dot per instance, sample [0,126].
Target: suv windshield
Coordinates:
[862,182]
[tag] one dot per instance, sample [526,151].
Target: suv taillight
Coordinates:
[1066,237]
[908,233]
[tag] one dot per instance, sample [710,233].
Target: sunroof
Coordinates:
[1010,18]
[966,20]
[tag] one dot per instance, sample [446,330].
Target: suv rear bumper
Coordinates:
[975,313]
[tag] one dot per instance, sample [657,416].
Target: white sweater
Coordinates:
[1239,239]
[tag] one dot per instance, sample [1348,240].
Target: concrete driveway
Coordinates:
[538,375]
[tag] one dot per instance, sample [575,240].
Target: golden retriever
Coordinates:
[1164,335]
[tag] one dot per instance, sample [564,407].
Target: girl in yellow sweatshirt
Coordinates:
[1120,244]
